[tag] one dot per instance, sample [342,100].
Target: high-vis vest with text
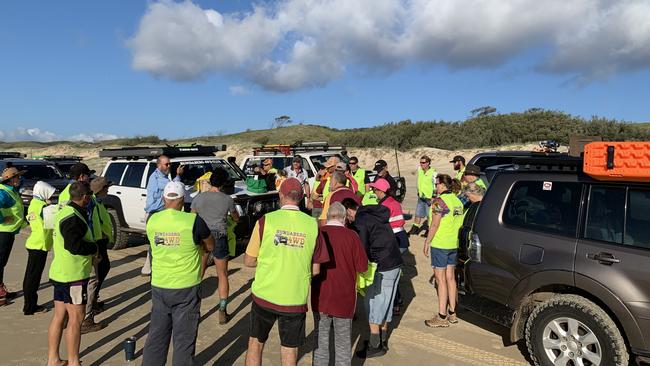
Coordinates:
[175,258]
[17,211]
[40,238]
[446,236]
[425,182]
[284,263]
[67,267]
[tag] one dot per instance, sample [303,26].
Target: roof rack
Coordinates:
[154,152]
[60,157]
[11,154]
[294,149]
[557,163]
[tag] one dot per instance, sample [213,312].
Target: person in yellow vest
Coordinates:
[442,244]
[12,219]
[177,241]
[74,253]
[426,179]
[360,176]
[459,166]
[286,252]
[472,174]
[78,173]
[38,244]
[102,228]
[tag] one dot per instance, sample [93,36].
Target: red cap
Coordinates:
[381,184]
[291,184]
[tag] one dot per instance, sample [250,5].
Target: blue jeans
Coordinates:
[380,296]
[423,207]
[441,258]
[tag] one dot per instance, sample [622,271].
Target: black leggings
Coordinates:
[35,264]
[6,243]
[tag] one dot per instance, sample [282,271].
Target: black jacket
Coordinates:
[73,230]
[377,237]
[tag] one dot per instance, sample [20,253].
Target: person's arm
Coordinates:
[233,212]
[253,248]
[73,230]
[321,255]
[364,236]
[202,235]
[438,209]
[6,201]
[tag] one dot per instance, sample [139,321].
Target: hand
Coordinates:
[426,249]
[179,170]
[309,204]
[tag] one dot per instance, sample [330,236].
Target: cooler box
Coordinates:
[628,161]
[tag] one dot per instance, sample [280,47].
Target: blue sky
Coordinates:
[124,68]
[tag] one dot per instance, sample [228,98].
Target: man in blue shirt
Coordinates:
[155,203]
[12,219]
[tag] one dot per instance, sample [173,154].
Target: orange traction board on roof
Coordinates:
[628,161]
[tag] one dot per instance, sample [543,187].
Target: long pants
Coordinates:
[6,243]
[35,265]
[174,313]
[95,283]
[342,340]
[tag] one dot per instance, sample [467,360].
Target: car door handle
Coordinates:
[118,192]
[144,195]
[604,258]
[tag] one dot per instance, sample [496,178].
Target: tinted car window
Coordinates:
[637,221]
[133,176]
[550,207]
[606,214]
[114,172]
[195,169]
[152,168]
[40,171]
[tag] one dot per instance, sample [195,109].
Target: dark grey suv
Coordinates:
[563,260]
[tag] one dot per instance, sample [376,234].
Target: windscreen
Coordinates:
[196,168]
[38,171]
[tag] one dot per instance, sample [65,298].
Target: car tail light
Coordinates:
[475,248]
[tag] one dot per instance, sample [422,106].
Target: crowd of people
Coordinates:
[342,237]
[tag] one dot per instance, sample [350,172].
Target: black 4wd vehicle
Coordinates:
[563,260]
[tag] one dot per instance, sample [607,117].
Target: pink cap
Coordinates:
[381,184]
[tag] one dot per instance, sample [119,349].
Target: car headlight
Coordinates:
[26,192]
[240,210]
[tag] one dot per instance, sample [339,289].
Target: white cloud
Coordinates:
[294,44]
[239,90]
[36,134]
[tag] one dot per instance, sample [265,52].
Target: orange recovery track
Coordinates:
[626,161]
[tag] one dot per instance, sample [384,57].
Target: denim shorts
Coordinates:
[441,258]
[381,295]
[220,250]
[423,207]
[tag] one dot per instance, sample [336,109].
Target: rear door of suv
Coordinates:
[614,250]
[528,228]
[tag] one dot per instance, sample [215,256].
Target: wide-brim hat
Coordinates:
[11,172]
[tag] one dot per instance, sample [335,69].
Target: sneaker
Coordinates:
[452,318]
[6,294]
[437,322]
[89,326]
[371,352]
[223,317]
[40,309]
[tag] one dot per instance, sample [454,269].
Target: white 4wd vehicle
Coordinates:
[129,169]
[313,154]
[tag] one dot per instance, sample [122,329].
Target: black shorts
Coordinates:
[220,250]
[75,293]
[290,325]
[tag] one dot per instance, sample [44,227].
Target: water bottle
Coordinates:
[129,348]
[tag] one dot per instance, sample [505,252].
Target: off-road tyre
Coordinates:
[121,237]
[614,351]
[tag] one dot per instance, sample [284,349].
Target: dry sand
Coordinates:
[474,341]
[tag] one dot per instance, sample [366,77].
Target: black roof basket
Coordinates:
[11,154]
[154,152]
[56,158]
[558,163]
[296,148]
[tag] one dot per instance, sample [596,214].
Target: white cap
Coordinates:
[174,190]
